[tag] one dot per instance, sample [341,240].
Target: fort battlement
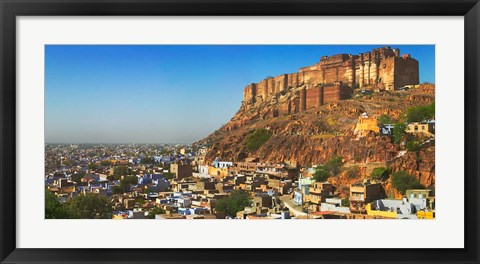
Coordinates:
[328,80]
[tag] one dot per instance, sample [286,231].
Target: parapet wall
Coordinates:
[311,98]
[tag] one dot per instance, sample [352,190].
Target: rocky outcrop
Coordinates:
[317,135]
[420,164]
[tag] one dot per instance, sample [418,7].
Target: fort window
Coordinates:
[416,128]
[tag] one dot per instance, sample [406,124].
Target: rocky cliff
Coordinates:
[311,115]
[316,135]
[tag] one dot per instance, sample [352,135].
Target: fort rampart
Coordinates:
[334,77]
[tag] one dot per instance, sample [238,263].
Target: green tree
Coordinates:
[256,139]
[155,211]
[119,171]
[53,208]
[321,173]
[413,146]
[334,165]
[398,132]
[130,180]
[77,177]
[93,166]
[236,202]
[403,181]
[384,119]
[140,200]
[120,189]
[147,160]
[89,206]
[420,113]
[168,175]
[331,168]
[380,173]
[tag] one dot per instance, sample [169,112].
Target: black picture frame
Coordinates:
[10,9]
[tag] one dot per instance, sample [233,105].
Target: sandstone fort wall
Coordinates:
[381,68]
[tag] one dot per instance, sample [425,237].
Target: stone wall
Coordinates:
[334,93]
[406,71]
[280,83]
[313,97]
[381,68]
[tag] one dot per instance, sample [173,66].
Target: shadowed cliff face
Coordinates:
[316,135]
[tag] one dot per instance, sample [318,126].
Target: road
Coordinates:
[295,210]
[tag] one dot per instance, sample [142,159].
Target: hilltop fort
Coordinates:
[331,109]
[332,79]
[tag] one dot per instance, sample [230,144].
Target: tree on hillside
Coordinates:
[384,119]
[256,139]
[413,146]
[380,173]
[321,173]
[420,113]
[398,132]
[403,181]
[334,165]
[236,202]
[331,168]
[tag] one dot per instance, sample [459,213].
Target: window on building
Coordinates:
[415,128]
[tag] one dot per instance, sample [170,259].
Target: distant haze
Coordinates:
[168,93]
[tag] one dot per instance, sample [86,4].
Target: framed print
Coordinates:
[202,131]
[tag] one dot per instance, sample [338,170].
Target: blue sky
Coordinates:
[168,93]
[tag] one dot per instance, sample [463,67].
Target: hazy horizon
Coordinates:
[168,94]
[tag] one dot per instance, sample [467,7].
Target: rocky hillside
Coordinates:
[316,135]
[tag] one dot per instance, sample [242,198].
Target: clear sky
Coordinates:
[168,93]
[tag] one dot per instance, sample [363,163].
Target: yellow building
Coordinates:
[421,128]
[366,124]
[384,214]
[220,172]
